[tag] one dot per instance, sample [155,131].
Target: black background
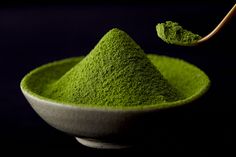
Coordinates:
[32,34]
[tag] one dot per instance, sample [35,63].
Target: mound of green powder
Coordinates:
[116,72]
[173,33]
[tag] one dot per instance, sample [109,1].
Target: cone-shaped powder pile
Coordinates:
[115,73]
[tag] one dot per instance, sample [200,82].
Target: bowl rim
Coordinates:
[160,106]
[140,108]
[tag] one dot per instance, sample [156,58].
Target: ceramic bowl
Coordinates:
[111,127]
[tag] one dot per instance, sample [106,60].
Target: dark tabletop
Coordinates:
[32,35]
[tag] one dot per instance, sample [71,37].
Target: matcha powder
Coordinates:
[116,72]
[173,33]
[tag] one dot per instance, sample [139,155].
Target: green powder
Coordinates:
[173,33]
[116,72]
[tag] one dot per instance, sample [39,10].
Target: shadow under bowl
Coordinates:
[111,127]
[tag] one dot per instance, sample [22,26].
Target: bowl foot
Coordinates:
[94,143]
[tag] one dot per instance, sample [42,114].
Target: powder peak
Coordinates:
[115,41]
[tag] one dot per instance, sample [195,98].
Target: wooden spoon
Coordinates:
[225,20]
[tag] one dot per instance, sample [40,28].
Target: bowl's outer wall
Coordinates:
[101,124]
[84,122]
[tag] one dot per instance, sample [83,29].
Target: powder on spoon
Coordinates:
[116,72]
[173,33]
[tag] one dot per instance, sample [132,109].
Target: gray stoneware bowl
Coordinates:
[111,127]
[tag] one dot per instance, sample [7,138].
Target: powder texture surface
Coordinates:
[116,72]
[173,33]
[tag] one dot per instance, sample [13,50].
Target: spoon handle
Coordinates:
[225,20]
